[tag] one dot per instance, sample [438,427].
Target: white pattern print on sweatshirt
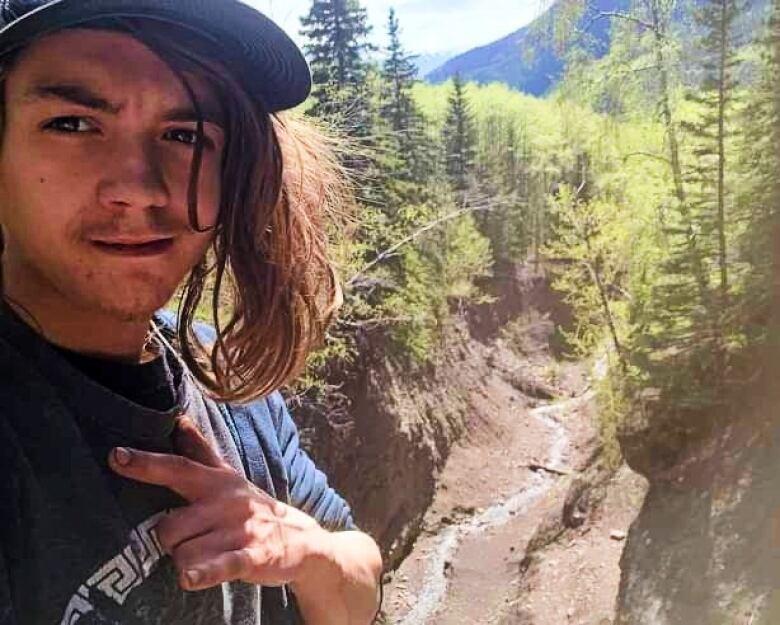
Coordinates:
[118,577]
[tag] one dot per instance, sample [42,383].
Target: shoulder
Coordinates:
[168,321]
[268,415]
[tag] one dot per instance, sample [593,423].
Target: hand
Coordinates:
[231,530]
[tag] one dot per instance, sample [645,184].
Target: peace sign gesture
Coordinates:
[231,530]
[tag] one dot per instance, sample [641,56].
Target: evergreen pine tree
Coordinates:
[459,138]
[710,196]
[337,32]
[404,122]
[399,73]
[761,196]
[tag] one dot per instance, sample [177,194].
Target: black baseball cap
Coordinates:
[267,62]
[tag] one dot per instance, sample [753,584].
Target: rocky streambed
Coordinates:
[432,597]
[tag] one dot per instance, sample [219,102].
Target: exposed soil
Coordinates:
[385,426]
[479,475]
[531,431]
[576,578]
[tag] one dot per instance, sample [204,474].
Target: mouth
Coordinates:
[154,247]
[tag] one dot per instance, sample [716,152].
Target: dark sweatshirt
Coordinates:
[77,541]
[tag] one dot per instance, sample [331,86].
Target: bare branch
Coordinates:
[378,321]
[627,17]
[648,155]
[416,234]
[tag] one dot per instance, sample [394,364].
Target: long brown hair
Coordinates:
[271,285]
[273,288]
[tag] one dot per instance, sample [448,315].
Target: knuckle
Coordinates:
[227,469]
[184,557]
[244,506]
[241,560]
[246,532]
[180,463]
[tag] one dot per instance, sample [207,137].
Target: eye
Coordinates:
[188,137]
[70,124]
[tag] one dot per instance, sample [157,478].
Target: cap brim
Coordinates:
[264,58]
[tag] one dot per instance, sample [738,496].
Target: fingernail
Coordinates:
[122,456]
[193,577]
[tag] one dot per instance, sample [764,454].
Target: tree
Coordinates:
[337,32]
[760,196]
[459,138]
[405,124]
[587,241]
[399,73]
[714,100]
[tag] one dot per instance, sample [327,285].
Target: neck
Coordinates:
[78,329]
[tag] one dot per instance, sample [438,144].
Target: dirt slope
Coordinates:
[470,565]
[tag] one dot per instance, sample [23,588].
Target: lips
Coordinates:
[138,248]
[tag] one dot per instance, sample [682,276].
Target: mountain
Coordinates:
[527,61]
[426,63]
[523,59]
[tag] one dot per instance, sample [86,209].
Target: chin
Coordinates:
[134,304]
[138,311]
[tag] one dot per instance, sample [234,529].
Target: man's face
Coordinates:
[94,170]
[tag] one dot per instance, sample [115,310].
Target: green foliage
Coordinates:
[664,241]
[588,244]
[337,31]
[399,74]
[412,262]
[412,161]
[646,184]
[458,137]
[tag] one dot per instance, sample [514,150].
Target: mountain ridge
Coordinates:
[523,59]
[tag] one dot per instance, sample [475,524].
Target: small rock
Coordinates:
[447,567]
[617,535]
[465,510]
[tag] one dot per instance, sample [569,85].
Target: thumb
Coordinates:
[190,442]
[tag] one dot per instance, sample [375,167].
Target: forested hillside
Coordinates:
[649,192]
[645,184]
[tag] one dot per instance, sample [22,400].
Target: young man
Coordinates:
[151,473]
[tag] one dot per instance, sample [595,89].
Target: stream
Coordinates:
[433,591]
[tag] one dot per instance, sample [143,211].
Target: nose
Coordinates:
[134,177]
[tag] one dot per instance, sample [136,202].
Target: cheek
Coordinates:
[38,201]
[209,190]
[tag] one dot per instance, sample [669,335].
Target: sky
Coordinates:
[427,26]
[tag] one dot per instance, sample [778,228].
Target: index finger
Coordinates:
[190,442]
[187,478]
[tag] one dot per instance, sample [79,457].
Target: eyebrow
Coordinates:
[74,94]
[83,96]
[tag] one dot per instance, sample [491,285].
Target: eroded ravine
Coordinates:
[431,602]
